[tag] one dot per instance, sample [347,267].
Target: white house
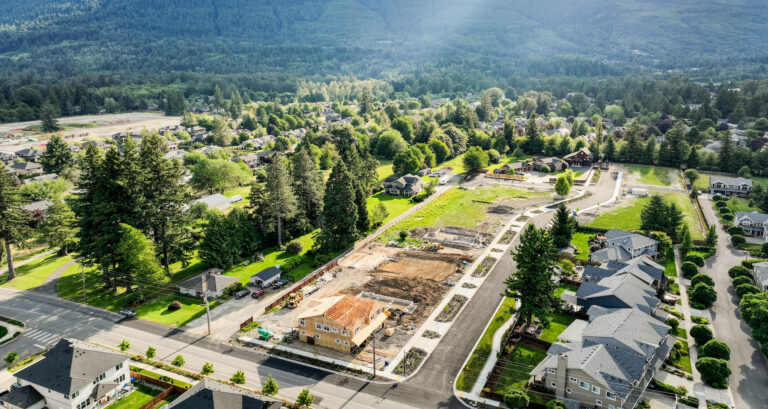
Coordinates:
[216,201]
[753,223]
[72,375]
[266,277]
[211,280]
[760,274]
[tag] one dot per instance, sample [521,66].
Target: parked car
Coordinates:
[258,293]
[242,293]
[281,283]
[128,313]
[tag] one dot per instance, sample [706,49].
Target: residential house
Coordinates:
[266,277]
[621,245]
[210,280]
[554,164]
[721,185]
[95,144]
[252,160]
[178,155]
[342,322]
[215,201]
[754,224]
[760,274]
[7,157]
[209,394]
[40,179]
[582,157]
[208,149]
[30,154]
[607,363]
[25,168]
[39,206]
[644,268]
[408,185]
[72,375]
[617,291]
[172,145]
[517,167]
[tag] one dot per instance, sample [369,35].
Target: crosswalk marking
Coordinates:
[42,337]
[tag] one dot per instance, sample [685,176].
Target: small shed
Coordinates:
[266,277]
[639,192]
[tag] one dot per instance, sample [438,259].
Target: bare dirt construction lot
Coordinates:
[104,126]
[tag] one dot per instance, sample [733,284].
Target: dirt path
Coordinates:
[29,260]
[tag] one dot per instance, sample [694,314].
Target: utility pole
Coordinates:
[205,298]
[374,355]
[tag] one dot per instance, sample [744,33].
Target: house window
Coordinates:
[335,330]
[568,390]
[326,328]
[572,379]
[583,385]
[595,389]
[120,365]
[303,332]
[345,332]
[598,402]
[317,336]
[610,395]
[338,341]
[552,371]
[302,323]
[318,327]
[346,343]
[554,385]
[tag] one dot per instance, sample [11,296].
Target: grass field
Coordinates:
[670,269]
[580,240]
[627,217]
[456,164]
[160,377]
[653,175]
[395,205]
[563,288]
[34,274]
[457,207]
[702,183]
[737,204]
[522,361]
[274,257]
[685,359]
[384,170]
[557,324]
[468,376]
[137,398]
[240,190]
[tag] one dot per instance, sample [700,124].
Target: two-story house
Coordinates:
[618,291]
[342,322]
[554,164]
[209,394]
[721,185]
[607,363]
[408,185]
[621,245]
[754,224]
[760,274]
[643,268]
[582,157]
[72,375]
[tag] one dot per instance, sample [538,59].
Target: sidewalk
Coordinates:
[29,260]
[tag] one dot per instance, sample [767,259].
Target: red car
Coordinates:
[257,293]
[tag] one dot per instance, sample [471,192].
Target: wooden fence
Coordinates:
[245,323]
[157,382]
[157,399]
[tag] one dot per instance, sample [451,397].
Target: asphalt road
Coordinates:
[431,387]
[749,378]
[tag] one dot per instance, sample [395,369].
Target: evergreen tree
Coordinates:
[339,217]
[610,148]
[363,219]
[534,143]
[563,227]
[562,187]
[686,242]
[712,236]
[270,387]
[653,215]
[48,119]
[694,159]
[57,156]
[281,203]
[14,221]
[532,284]
[308,188]
[57,228]
[218,99]
[649,153]
[726,154]
[217,247]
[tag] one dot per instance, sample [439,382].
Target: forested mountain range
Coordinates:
[373,38]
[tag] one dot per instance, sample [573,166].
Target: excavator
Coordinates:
[294,299]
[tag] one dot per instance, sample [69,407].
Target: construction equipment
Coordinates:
[434,247]
[467,258]
[294,299]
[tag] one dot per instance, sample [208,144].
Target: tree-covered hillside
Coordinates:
[370,37]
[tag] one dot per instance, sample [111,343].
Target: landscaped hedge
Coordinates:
[738,271]
[695,259]
[588,229]
[728,217]
[689,269]
[750,263]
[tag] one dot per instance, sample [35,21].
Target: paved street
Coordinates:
[749,381]
[48,317]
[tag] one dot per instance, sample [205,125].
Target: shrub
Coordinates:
[178,361]
[689,269]
[291,263]
[713,371]
[717,198]
[734,230]
[238,378]
[720,204]
[715,349]
[699,320]
[764,249]
[673,322]
[176,305]
[743,280]
[703,294]
[764,348]
[701,334]
[738,240]
[516,399]
[124,345]
[270,388]
[728,217]
[403,235]
[234,288]
[739,271]
[745,289]
[11,357]
[556,404]
[751,262]
[695,259]
[702,278]
[207,369]
[294,247]
[724,210]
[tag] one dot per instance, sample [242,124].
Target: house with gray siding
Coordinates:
[760,274]
[726,186]
[621,245]
[753,224]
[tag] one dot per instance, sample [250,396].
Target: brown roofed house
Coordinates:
[341,322]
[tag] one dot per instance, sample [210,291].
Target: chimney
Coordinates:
[561,375]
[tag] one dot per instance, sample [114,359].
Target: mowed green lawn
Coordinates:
[395,205]
[522,361]
[581,241]
[653,175]
[34,274]
[274,257]
[557,324]
[702,183]
[458,207]
[737,204]
[384,170]
[627,217]
[456,164]
[137,398]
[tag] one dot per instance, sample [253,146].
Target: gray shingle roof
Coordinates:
[608,254]
[208,394]
[267,274]
[70,365]
[216,281]
[628,289]
[729,181]
[755,217]
[595,274]
[626,328]
[23,397]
